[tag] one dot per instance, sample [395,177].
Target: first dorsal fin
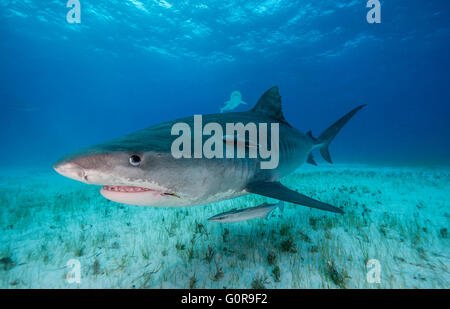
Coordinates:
[270,104]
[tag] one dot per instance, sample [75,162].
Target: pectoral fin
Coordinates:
[278,191]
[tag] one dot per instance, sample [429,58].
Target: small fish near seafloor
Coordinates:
[237,215]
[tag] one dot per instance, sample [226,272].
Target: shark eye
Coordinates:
[135,160]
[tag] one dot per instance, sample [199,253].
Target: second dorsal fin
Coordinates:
[270,105]
[311,159]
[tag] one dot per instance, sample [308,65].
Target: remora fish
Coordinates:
[139,168]
[237,215]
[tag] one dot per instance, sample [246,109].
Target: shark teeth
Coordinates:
[133,189]
[129,189]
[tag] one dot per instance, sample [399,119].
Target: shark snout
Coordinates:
[70,170]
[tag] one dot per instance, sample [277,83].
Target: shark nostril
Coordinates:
[70,170]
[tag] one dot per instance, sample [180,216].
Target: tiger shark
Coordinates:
[235,101]
[139,168]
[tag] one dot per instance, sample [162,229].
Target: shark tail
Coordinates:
[324,140]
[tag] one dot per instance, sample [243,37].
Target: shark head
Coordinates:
[129,171]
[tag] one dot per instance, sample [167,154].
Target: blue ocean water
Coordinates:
[131,64]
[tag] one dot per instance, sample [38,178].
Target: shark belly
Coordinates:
[228,178]
[219,179]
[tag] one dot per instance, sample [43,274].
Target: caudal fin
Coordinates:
[281,205]
[328,135]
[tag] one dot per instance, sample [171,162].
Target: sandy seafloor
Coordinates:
[397,215]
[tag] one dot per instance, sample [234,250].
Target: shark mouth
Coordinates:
[140,196]
[134,189]
[128,189]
